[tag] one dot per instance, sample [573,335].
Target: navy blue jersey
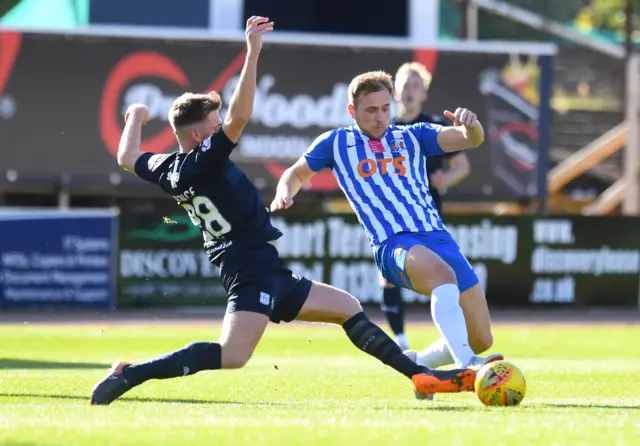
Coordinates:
[217,195]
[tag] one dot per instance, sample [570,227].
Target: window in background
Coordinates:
[172,13]
[91,201]
[371,17]
[14,199]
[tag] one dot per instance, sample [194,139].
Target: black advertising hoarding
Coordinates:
[594,261]
[521,261]
[76,89]
[576,260]
[162,263]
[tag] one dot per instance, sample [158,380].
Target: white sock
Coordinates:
[402,341]
[448,317]
[436,355]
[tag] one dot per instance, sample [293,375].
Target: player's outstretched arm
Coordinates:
[136,116]
[466,133]
[317,157]
[241,105]
[290,184]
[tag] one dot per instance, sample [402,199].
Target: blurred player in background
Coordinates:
[381,169]
[238,238]
[411,91]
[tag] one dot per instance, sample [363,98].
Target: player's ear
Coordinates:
[352,111]
[397,95]
[195,134]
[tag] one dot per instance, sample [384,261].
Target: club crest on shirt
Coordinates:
[398,141]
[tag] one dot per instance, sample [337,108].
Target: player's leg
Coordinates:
[429,274]
[412,261]
[325,303]
[437,354]
[392,306]
[478,321]
[476,313]
[471,301]
[243,326]
[331,305]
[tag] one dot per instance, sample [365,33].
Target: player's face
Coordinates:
[207,127]
[411,92]
[372,113]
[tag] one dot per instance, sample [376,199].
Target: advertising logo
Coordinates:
[9,48]
[125,82]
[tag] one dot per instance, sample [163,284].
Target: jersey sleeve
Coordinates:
[215,150]
[427,136]
[150,166]
[319,155]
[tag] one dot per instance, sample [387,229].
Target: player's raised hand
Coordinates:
[462,116]
[256,27]
[281,201]
[139,110]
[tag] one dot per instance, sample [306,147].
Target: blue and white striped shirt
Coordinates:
[384,180]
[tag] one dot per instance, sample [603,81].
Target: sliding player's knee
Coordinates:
[235,358]
[329,305]
[481,342]
[346,307]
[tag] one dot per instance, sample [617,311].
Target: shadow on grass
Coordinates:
[12,363]
[582,406]
[426,407]
[139,400]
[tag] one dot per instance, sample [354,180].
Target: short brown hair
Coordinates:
[414,68]
[370,82]
[193,107]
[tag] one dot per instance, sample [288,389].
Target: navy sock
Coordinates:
[393,307]
[370,338]
[189,360]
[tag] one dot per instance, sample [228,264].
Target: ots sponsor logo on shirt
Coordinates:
[385,166]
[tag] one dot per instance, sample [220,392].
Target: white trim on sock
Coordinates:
[436,355]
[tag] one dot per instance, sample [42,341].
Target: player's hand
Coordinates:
[139,110]
[281,201]
[462,116]
[256,27]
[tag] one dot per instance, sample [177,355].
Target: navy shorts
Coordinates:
[391,254]
[258,281]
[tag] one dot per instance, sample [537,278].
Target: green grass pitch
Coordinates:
[307,385]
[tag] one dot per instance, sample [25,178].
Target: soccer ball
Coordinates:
[500,383]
